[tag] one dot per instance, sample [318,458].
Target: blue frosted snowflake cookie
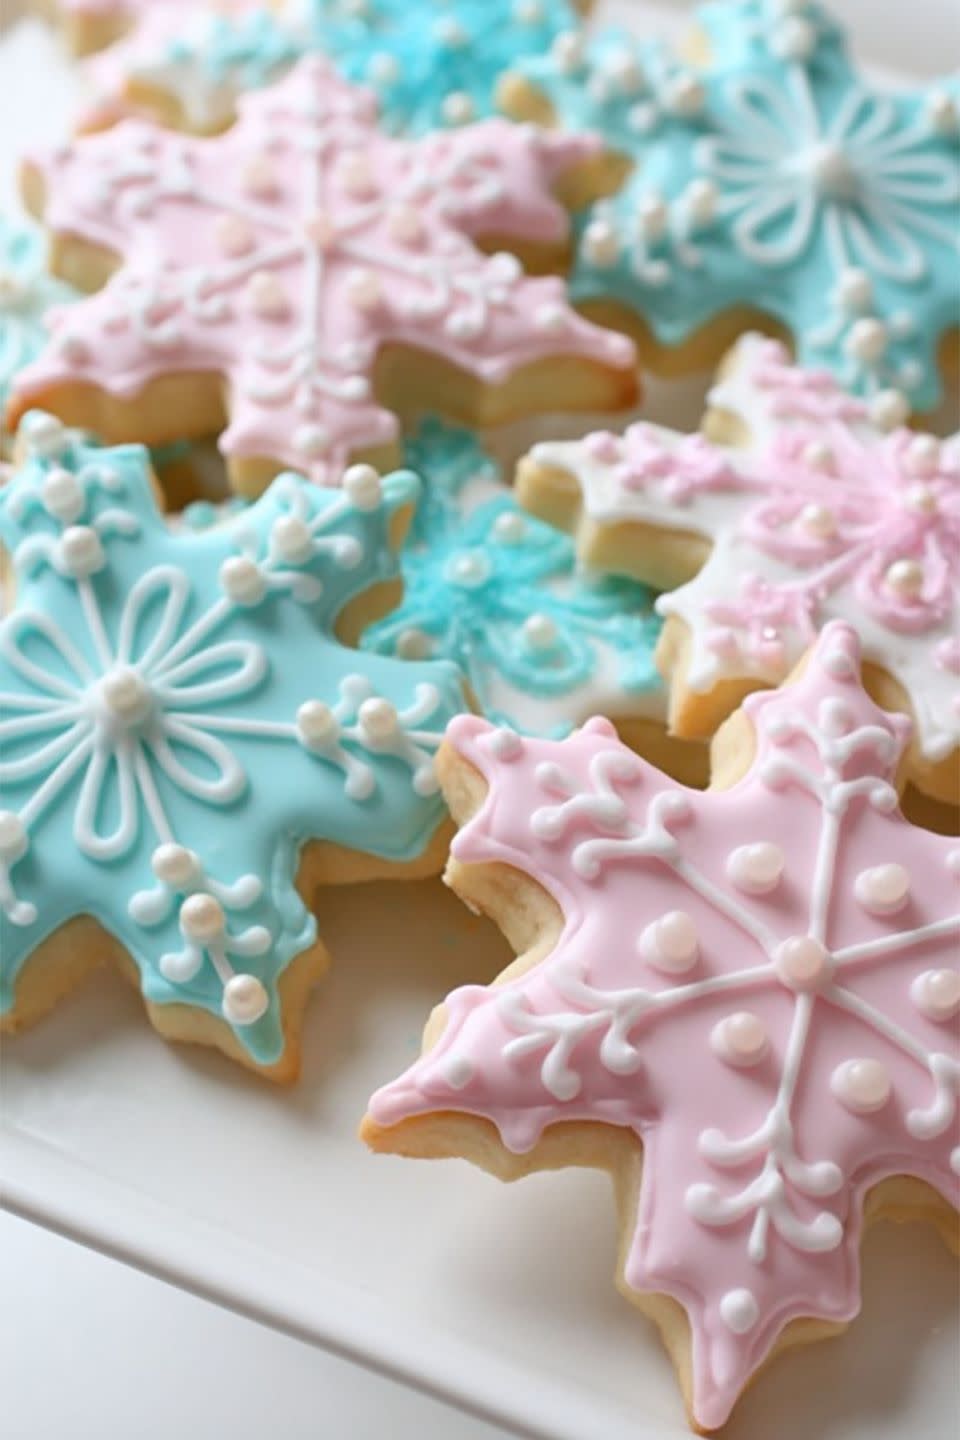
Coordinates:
[542,646]
[768,174]
[179,724]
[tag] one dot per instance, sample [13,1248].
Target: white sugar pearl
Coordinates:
[863,1086]
[906,578]
[175,865]
[379,719]
[81,551]
[700,203]
[794,39]
[867,341]
[291,539]
[739,1311]
[567,52]
[451,33]
[233,235]
[601,244]
[13,837]
[740,1039]
[44,435]
[505,744]
[62,495]
[316,724]
[888,409]
[126,694]
[414,644]
[245,1000]
[921,499]
[831,171]
[241,580]
[653,216]
[626,72]
[936,994]
[202,918]
[311,441]
[469,569]
[818,520]
[942,113]
[363,290]
[540,633]
[362,486]
[267,297]
[510,528]
[802,963]
[670,944]
[923,456]
[383,69]
[458,108]
[685,96]
[258,177]
[883,889]
[756,869]
[855,290]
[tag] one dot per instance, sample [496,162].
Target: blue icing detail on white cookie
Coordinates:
[27,292]
[177,720]
[776,178]
[496,590]
[431,63]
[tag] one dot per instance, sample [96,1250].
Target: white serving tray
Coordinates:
[497,1298]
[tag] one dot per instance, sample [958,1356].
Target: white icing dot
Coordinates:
[233,235]
[457,108]
[378,719]
[794,39]
[505,744]
[317,726]
[883,889]
[700,203]
[456,1070]
[906,577]
[670,944]
[469,569]
[739,1311]
[818,520]
[81,551]
[125,694]
[62,495]
[601,244]
[202,918]
[888,409]
[267,297]
[855,290]
[414,644]
[550,318]
[451,33]
[363,290]
[921,499]
[866,341]
[625,70]
[757,868]
[258,177]
[13,837]
[923,456]
[528,12]
[653,216]
[802,963]
[383,69]
[245,1000]
[362,486]
[942,113]
[539,632]
[44,435]
[863,1086]
[936,994]
[241,580]
[311,441]
[291,539]
[510,528]
[831,171]
[175,865]
[685,95]
[567,52]
[740,1039]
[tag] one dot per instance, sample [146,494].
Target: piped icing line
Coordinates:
[774,178]
[542,645]
[758,982]
[821,515]
[287,252]
[27,294]
[432,64]
[177,720]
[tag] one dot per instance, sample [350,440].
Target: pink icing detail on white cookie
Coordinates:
[751,1204]
[292,296]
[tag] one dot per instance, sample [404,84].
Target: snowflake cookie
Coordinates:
[817,514]
[766,177]
[757,985]
[541,645]
[27,292]
[179,724]
[302,276]
[432,63]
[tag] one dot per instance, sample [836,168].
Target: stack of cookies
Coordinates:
[679,711]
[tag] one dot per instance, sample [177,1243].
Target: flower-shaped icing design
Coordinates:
[178,721]
[774,178]
[27,292]
[821,515]
[292,256]
[432,64]
[758,983]
[487,585]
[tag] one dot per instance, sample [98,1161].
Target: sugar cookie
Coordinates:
[187,748]
[740,1002]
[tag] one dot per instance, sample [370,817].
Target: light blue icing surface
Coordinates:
[152,685]
[477,567]
[414,53]
[777,178]
[27,292]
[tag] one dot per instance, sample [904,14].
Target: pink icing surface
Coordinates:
[758,1150]
[284,254]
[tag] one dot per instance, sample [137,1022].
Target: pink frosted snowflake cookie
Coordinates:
[301,279]
[755,988]
[796,510]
